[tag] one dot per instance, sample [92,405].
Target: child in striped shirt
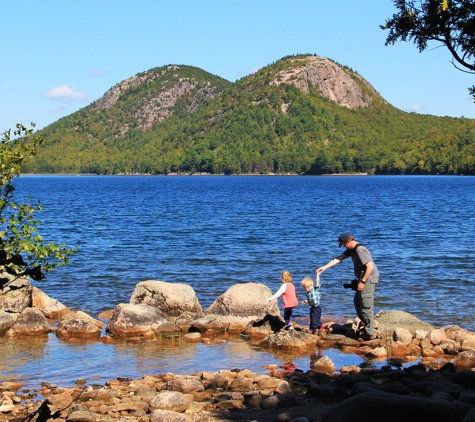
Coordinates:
[313,300]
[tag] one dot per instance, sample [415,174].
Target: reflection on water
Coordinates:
[49,359]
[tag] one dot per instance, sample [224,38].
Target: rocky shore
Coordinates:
[414,393]
[440,386]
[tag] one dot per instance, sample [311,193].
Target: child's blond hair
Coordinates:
[307,281]
[286,277]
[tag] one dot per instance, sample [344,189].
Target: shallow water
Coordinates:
[215,231]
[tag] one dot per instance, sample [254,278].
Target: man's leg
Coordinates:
[367,306]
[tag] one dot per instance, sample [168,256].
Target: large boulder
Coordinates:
[51,308]
[377,406]
[243,303]
[290,340]
[6,321]
[15,294]
[135,320]
[171,298]
[390,320]
[79,325]
[31,322]
[465,360]
[456,333]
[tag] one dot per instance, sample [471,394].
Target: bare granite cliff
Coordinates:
[157,104]
[333,82]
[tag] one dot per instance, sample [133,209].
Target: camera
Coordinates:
[353,285]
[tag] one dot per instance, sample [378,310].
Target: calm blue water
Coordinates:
[215,231]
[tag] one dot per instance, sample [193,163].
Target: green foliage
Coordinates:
[253,126]
[22,250]
[448,22]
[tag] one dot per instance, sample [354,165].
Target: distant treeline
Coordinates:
[244,129]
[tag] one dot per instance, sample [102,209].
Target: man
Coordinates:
[367,274]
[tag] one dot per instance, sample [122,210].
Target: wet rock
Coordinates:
[51,308]
[171,298]
[31,322]
[324,365]
[192,337]
[134,320]
[79,325]
[290,340]
[378,353]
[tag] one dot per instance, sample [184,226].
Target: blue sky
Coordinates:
[58,56]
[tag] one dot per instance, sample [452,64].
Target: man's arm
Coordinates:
[332,263]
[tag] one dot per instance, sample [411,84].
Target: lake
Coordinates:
[212,232]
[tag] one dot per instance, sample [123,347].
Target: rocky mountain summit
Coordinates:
[164,89]
[334,82]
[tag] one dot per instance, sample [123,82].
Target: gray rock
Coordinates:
[171,298]
[390,320]
[377,406]
[290,340]
[403,335]
[169,400]
[79,325]
[331,81]
[31,322]
[277,401]
[465,360]
[6,321]
[51,308]
[15,295]
[161,415]
[134,320]
[185,385]
[470,416]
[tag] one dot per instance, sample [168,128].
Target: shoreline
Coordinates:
[283,393]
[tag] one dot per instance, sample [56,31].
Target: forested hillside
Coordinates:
[302,114]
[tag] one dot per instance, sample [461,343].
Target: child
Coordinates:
[313,300]
[289,296]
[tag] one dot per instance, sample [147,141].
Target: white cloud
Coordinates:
[64,92]
[415,107]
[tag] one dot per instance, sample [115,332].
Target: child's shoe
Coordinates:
[311,332]
[322,328]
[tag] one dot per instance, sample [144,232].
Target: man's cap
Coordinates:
[343,238]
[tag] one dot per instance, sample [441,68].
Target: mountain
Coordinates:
[301,114]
